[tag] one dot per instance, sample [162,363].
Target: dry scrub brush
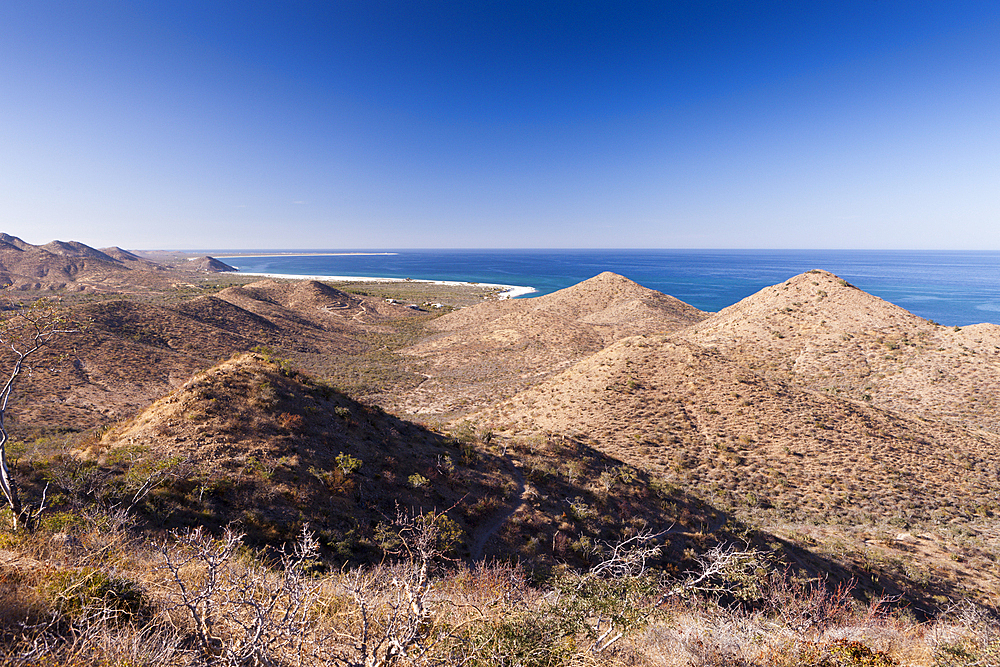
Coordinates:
[198,599]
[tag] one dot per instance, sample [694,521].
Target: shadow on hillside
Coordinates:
[347,470]
[578,499]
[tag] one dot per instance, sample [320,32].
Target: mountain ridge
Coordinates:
[810,414]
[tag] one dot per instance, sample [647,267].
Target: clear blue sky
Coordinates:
[482,124]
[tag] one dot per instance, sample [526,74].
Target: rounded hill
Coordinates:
[496,348]
[817,330]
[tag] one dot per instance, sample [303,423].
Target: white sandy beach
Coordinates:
[508,291]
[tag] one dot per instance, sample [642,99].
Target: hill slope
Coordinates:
[75,267]
[819,331]
[272,450]
[499,347]
[130,352]
[211,265]
[770,451]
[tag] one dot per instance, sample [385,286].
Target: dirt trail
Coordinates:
[485,532]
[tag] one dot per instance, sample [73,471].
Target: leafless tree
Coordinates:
[628,557]
[24,330]
[725,568]
[243,613]
[394,622]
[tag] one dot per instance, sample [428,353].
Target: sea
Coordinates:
[954,288]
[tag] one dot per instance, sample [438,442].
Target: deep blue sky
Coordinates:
[501,124]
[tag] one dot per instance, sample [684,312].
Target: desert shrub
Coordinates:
[90,592]
[526,639]
[80,480]
[483,508]
[347,463]
[465,432]
[855,653]
[807,605]
[538,473]
[967,652]
[265,396]
[239,610]
[289,421]
[417,481]
[973,639]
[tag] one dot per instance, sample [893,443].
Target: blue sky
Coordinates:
[464,124]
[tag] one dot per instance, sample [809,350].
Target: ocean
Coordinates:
[955,288]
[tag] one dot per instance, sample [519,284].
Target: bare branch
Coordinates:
[719,569]
[23,332]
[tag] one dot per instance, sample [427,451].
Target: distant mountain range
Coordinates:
[74,266]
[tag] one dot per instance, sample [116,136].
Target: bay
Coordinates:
[955,288]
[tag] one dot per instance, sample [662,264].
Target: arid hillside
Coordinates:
[813,472]
[749,431]
[477,355]
[128,352]
[270,448]
[695,416]
[72,266]
[211,265]
[818,331]
[252,442]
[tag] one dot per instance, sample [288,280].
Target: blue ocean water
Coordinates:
[949,287]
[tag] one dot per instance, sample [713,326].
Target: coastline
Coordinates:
[301,254]
[507,291]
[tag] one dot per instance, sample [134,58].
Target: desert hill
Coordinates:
[766,448]
[122,255]
[264,442]
[132,260]
[844,437]
[498,347]
[75,249]
[818,331]
[14,241]
[211,265]
[74,266]
[128,352]
[251,442]
[312,300]
[606,300]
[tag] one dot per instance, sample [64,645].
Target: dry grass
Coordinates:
[844,435]
[254,442]
[134,348]
[95,599]
[772,453]
[819,332]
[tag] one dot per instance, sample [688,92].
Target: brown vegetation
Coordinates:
[818,331]
[675,487]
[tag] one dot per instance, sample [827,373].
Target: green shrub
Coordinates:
[347,463]
[60,522]
[90,591]
[529,640]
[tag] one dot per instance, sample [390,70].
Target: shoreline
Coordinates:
[299,254]
[507,291]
